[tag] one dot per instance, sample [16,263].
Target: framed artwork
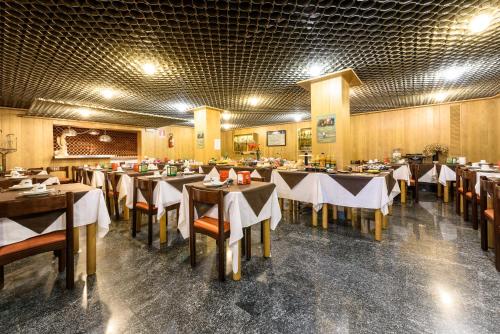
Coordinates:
[200,139]
[276,138]
[326,131]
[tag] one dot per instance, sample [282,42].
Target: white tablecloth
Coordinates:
[320,188]
[232,173]
[446,175]
[478,178]
[164,194]
[403,172]
[88,209]
[430,176]
[240,215]
[96,179]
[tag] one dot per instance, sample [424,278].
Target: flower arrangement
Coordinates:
[433,149]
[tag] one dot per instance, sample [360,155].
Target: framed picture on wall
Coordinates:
[326,130]
[276,138]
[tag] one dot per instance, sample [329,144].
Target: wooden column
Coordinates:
[330,97]
[206,132]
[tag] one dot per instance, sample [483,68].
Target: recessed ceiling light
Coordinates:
[297,117]
[226,126]
[440,97]
[149,68]
[315,70]
[480,23]
[453,73]
[253,101]
[181,106]
[107,93]
[226,116]
[84,112]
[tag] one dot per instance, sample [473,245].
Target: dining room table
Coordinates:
[350,190]
[244,206]
[263,173]
[7,181]
[446,175]
[402,174]
[167,191]
[89,210]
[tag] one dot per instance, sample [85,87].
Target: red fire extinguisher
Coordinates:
[170,140]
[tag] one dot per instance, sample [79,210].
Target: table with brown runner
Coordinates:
[260,172]
[89,211]
[6,182]
[244,206]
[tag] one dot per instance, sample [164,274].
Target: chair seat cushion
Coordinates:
[412,182]
[468,195]
[144,206]
[461,190]
[210,225]
[489,214]
[65,180]
[112,193]
[35,242]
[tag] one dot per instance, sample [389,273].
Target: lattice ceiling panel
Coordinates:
[220,53]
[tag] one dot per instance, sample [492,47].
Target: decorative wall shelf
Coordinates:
[103,156]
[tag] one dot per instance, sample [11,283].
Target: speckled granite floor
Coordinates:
[429,275]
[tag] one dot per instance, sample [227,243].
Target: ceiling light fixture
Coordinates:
[93,132]
[440,97]
[149,68]
[84,112]
[226,116]
[453,73]
[480,23]
[226,126]
[181,106]
[315,70]
[107,93]
[253,101]
[105,138]
[69,132]
[297,117]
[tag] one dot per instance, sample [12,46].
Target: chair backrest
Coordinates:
[146,188]
[469,177]
[210,197]
[496,205]
[34,171]
[64,169]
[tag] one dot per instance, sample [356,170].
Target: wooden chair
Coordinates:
[75,174]
[487,214]
[111,181]
[459,188]
[146,188]
[496,224]
[470,196]
[61,169]
[415,174]
[34,170]
[214,228]
[60,242]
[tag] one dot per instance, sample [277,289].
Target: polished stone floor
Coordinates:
[428,275]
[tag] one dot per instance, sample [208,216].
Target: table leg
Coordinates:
[324,221]
[385,221]
[163,228]
[314,217]
[76,240]
[126,211]
[335,213]
[237,275]
[378,225]
[461,203]
[267,237]
[446,192]
[281,203]
[91,248]
[491,235]
[440,189]
[403,192]
[390,210]
[294,211]
[349,214]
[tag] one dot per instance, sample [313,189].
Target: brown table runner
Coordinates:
[256,194]
[6,182]
[206,169]
[390,182]
[178,182]
[39,223]
[353,183]
[423,169]
[292,178]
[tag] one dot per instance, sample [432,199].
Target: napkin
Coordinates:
[43,172]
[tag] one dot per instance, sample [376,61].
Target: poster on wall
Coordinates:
[326,131]
[200,139]
[276,138]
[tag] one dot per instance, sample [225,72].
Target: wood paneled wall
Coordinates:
[375,135]
[35,148]
[288,152]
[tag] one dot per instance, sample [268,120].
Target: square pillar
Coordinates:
[207,133]
[331,115]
